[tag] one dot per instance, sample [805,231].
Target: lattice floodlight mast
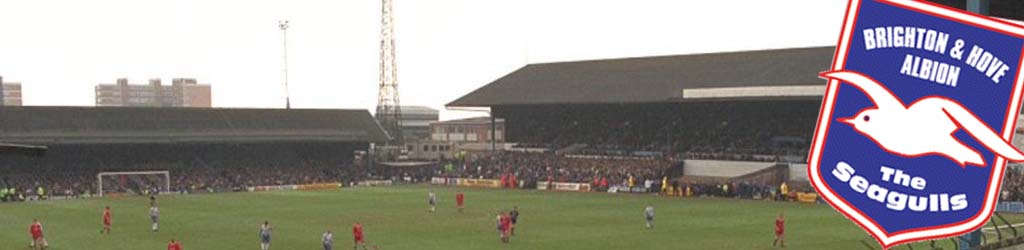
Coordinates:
[389,113]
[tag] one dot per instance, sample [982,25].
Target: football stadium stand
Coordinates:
[728,114]
[204,149]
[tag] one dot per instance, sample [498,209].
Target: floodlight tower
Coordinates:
[389,113]
[284,38]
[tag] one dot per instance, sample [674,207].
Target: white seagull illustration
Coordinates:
[924,128]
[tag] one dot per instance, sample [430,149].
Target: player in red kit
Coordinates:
[36,230]
[174,245]
[460,200]
[506,226]
[357,233]
[780,231]
[106,220]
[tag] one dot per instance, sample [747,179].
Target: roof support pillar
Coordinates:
[493,132]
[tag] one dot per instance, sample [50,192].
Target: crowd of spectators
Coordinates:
[1013,185]
[602,171]
[648,174]
[237,178]
[737,190]
[64,183]
[730,156]
[71,170]
[721,131]
[534,167]
[197,178]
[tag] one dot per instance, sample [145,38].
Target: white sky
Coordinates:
[60,49]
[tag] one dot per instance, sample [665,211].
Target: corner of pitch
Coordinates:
[914,200]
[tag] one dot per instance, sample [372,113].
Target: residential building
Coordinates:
[183,92]
[11,93]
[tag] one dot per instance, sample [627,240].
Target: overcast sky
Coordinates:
[60,49]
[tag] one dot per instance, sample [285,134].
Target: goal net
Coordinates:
[133,182]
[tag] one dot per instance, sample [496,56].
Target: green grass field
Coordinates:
[396,218]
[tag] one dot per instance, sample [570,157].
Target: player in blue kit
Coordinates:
[328,240]
[265,235]
[433,201]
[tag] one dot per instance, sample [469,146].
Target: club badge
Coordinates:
[915,129]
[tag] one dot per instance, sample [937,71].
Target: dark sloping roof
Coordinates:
[650,79]
[50,125]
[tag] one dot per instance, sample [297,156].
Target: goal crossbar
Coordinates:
[99,178]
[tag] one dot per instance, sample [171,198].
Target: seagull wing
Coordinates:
[983,133]
[880,95]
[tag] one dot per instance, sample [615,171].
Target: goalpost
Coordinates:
[161,179]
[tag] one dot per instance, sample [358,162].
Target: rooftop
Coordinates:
[57,125]
[657,79]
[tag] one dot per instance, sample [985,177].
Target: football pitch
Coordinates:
[397,218]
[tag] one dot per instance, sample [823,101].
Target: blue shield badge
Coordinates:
[913,136]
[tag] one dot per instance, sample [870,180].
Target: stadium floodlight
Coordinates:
[137,176]
[283,25]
